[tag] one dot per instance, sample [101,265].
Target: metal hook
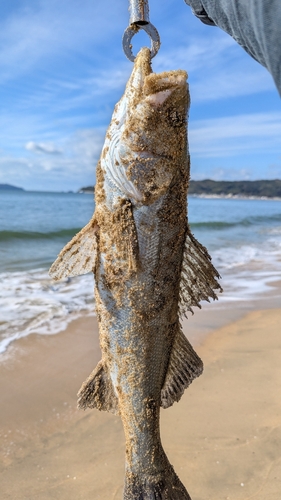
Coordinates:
[139,12]
[139,19]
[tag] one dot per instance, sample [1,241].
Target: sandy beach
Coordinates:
[223,437]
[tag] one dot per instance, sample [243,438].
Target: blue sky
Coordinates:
[62,69]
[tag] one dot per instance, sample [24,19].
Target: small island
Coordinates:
[9,187]
[87,190]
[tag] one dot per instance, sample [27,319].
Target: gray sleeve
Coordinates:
[254,24]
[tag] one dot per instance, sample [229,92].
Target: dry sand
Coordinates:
[223,437]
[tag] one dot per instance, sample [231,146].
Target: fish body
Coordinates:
[148,270]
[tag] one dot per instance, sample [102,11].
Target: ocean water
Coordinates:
[243,236]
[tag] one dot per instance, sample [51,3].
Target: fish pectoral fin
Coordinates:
[98,392]
[78,256]
[184,366]
[198,276]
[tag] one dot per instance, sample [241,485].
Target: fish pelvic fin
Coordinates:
[98,392]
[78,256]
[184,366]
[198,276]
[161,486]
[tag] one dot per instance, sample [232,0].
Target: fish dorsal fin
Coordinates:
[198,276]
[98,392]
[184,366]
[78,256]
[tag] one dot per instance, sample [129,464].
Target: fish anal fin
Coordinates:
[78,256]
[184,366]
[97,391]
[198,276]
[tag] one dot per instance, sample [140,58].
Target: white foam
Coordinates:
[32,303]
[248,270]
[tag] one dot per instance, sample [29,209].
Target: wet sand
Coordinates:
[223,437]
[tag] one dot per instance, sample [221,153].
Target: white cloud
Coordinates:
[236,135]
[71,169]
[62,70]
[88,143]
[88,90]
[41,147]
[222,173]
[237,80]
[79,153]
[217,68]
[45,28]
[197,54]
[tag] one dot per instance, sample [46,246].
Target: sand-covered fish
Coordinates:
[149,270]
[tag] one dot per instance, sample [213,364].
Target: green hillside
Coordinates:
[9,187]
[268,189]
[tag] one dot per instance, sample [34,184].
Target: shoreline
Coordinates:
[192,195]
[234,197]
[211,316]
[243,239]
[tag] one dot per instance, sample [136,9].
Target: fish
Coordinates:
[149,272]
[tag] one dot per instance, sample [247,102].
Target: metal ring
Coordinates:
[133,30]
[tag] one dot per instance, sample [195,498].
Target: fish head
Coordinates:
[150,140]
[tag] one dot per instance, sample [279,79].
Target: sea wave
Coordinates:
[265,256]
[258,220]
[248,271]
[6,236]
[32,303]
[68,233]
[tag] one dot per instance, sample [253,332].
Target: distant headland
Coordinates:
[9,187]
[87,190]
[236,189]
[226,189]
[208,188]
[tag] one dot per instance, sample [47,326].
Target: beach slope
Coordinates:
[223,437]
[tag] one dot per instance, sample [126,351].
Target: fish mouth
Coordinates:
[154,88]
[158,87]
[147,141]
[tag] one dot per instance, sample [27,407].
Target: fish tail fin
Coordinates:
[98,392]
[162,486]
